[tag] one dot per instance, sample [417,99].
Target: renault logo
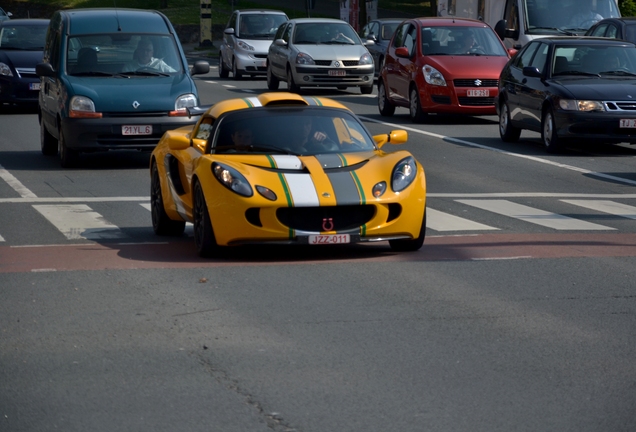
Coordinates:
[136,104]
[478,82]
[336,64]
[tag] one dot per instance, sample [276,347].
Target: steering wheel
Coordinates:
[476,50]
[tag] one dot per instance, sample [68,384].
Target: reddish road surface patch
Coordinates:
[181,254]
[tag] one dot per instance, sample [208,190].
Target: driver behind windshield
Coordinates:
[143,58]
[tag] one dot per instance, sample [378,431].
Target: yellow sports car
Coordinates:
[281,168]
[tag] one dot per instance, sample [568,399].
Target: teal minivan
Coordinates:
[112,79]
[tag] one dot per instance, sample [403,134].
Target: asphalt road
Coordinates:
[518,313]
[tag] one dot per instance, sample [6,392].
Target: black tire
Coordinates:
[385,107]
[236,74]
[416,112]
[549,137]
[48,143]
[68,157]
[272,81]
[413,244]
[223,71]
[291,85]
[204,239]
[366,90]
[161,223]
[507,131]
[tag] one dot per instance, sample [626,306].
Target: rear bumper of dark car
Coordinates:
[106,133]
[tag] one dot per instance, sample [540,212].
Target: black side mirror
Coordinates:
[44,69]
[200,67]
[531,71]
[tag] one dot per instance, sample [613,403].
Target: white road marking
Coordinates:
[534,215]
[609,207]
[211,82]
[79,221]
[440,221]
[72,200]
[147,207]
[229,86]
[496,150]
[15,184]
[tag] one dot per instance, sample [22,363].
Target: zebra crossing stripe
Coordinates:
[79,221]
[534,215]
[610,207]
[440,221]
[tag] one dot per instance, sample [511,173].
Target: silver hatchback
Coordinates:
[319,52]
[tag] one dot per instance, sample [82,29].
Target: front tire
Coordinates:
[236,73]
[416,112]
[161,223]
[68,157]
[291,84]
[223,72]
[507,131]
[272,81]
[385,107]
[410,245]
[204,239]
[48,143]
[366,90]
[551,140]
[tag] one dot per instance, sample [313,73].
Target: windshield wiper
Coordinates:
[618,73]
[144,73]
[91,73]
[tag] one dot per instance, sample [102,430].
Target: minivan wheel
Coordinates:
[291,85]
[48,143]
[507,131]
[272,81]
[415,107]
[237,74]
[223,72]
[385,107]
[551,140]
[68,157]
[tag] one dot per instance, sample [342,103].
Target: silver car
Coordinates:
[319,52]
[246,39]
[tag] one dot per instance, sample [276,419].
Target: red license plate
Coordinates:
[478,93]
[628,123]
[136,130]
[329,239]
[335,72]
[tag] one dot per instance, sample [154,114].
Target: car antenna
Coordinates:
[117,16]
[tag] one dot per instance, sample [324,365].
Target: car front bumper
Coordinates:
[21,91]
[451,99]
[252,63]
[604,126]
[316,76]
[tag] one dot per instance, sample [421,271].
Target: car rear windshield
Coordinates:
[296,131]
[132,54]
[455,40]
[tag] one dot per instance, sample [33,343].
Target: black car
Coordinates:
[380,32]
[570,89]
[616,28]
[21,45]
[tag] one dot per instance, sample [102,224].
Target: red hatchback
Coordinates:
[441,65]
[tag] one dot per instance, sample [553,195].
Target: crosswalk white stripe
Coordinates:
[533,215]
[1,238]
[440,221]
[610,207]
[79,221]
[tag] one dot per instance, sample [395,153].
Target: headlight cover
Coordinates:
[5,70]
[366,59]
[245,46]
[185,101]
[403,174]
[581,105]
[304,59]
[82,104]
[433,76]
[232,179]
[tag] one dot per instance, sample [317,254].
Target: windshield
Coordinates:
[595,60]
[567,16]
[124,54]
[330,33]
[293,131]
[23,37]
[259,26]
[456,40]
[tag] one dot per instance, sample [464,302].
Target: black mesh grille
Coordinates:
[441,99]
[476,101]
[314,218]
[350,62]
[471,82]
[323,62]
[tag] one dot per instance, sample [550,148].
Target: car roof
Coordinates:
[271,100]
[25,22]
[111,20]
[446,21]
[242,11]
[584,40]
[316,20]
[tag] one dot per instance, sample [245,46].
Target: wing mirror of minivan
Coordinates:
[44,69]
[502,30]
[201,67]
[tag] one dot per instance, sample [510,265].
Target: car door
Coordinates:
[228,41]
[51,86]
[532,89]
[280,53]
[513,80]
[408,65]
[394,66]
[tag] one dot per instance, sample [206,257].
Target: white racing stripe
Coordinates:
[609,207]
[533,215]
[288,162]
[302,190]
[79,221]
[440,221]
